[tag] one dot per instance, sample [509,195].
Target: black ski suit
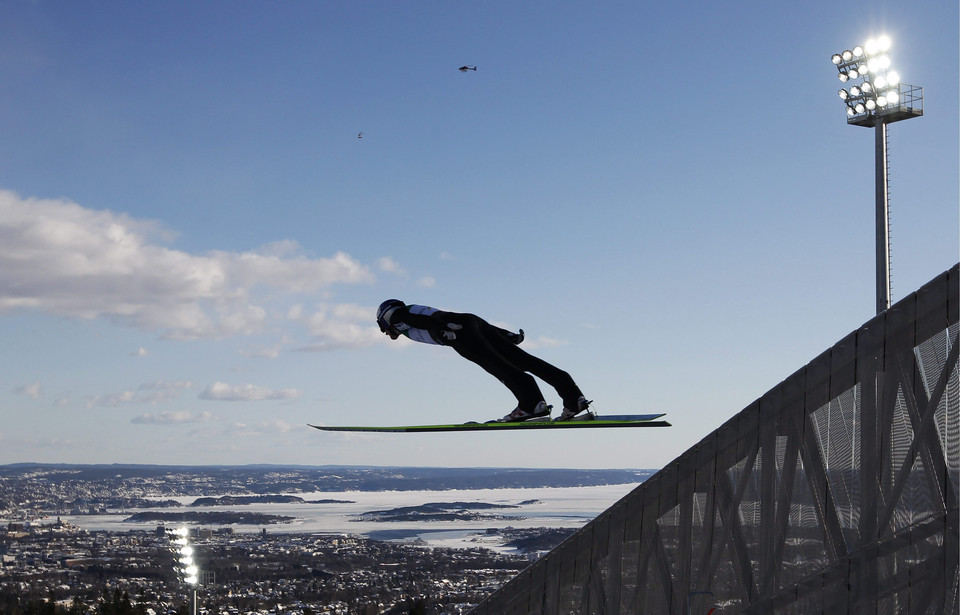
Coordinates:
[490,347]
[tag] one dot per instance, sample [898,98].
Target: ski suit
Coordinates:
[490,347]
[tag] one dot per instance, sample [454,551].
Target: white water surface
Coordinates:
[554,507]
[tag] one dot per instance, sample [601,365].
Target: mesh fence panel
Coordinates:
[835,492]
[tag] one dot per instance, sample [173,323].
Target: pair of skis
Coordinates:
[586,420]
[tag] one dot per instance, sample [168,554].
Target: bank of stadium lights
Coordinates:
[183,552]
[874,98]
[186,567]
[875,91]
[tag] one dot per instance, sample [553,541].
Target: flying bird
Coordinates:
[464,69]
[360,135]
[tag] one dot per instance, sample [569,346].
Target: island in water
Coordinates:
[439,511]
[209,518]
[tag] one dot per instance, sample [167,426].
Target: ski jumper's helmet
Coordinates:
[385,311]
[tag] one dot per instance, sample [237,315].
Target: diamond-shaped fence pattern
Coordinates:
[836,492]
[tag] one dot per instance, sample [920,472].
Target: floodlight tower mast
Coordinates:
[877,98]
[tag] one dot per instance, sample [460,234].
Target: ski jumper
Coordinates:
[489,347]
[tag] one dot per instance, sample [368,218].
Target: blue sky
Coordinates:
[664,196]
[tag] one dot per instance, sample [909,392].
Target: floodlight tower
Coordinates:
[186,567]
[875,97]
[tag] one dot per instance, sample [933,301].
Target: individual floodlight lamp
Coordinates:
[875,99]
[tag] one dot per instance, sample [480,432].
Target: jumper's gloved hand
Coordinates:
[450,334]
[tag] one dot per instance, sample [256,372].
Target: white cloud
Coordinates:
[172,418]
[33,391]
[341,326]
[112,399]
[61,258]
[153,393]
[388,265]
[221,391]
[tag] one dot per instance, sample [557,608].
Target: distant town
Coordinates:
[52,567]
